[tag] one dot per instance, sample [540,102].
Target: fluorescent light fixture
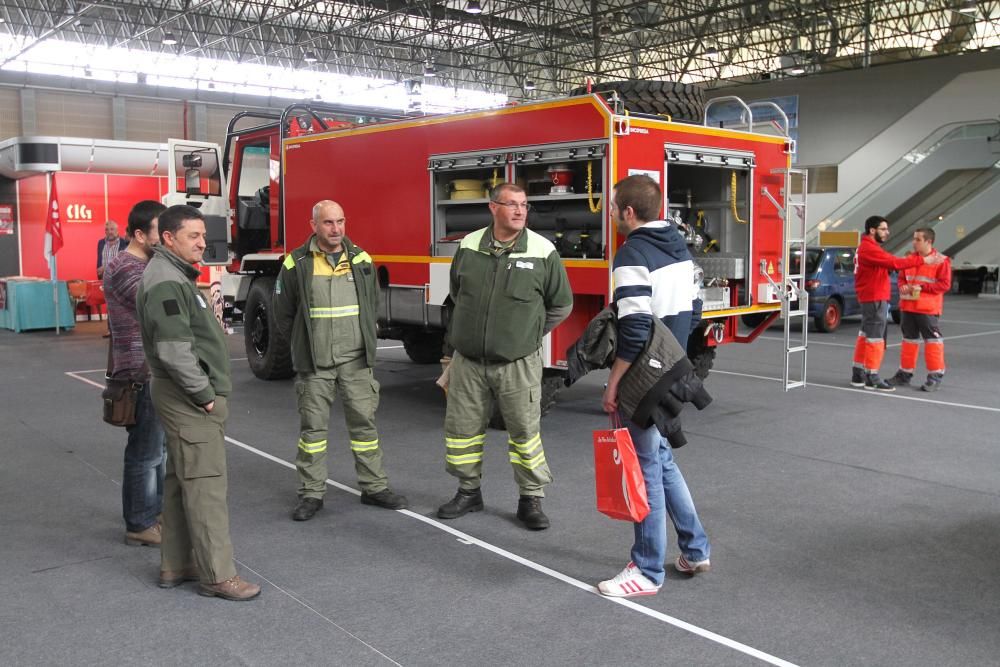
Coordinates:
[968,7]
[473,7]
[797,70]
[169,39]
[529,84]
[429,70]
[310,57]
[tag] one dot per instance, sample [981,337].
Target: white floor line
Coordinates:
[980,323]
[469,539]
[813,341]
[884,394]
[317,612]
[73,374]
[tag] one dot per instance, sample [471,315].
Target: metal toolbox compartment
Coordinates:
[723,265]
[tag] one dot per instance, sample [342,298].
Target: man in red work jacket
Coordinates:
[921,299]
[871,279]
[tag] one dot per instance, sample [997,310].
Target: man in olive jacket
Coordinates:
[509,288]
[186,351]
[326,305]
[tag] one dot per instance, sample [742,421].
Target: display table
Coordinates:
[28,304]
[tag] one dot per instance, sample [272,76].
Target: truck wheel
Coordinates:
[269,356]
[829,320]
[701,355]
[680,101]
[552,384]
[424,347]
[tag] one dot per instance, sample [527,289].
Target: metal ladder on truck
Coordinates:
[794,298]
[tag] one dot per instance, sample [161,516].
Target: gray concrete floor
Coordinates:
[848,528]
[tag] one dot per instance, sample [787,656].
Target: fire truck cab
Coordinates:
[411,188]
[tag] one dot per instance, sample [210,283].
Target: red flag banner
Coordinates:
[53,225]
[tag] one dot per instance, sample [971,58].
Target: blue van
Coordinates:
[830,282]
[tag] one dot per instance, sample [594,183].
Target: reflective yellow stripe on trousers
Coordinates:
[460,444]
[312,447]
[524,454]
[364,445]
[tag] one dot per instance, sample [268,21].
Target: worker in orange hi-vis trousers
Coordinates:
[871,278]
[921,300]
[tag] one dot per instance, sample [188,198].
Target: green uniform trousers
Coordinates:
[517,388]
[195,513]
[359,396]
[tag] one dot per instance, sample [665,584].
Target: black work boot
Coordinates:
[465,501]
[857,377]
[307,508]
[900,379]
[385,498]
[529,512]
[933,382]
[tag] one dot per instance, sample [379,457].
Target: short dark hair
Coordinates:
[173,218]
[641,193]
[141,217]
[504,187]
[927,232]
[873,223]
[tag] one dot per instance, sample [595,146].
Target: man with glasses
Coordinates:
[871,280]
[509,289]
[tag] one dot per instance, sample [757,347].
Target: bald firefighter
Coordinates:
[326,304]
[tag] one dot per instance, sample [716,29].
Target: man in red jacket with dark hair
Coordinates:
[871,279]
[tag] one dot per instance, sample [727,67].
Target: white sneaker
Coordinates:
[687,567]
[630,582]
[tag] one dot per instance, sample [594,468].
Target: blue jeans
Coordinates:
[668,494]
[145,465]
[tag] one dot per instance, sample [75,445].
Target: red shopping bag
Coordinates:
[621,490]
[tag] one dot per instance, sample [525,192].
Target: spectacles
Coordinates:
[513,205]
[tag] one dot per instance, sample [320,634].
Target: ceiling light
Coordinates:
[529,84]
[310,57]
[429,70]
[169,39]
[604,29]
[87,72]
[797,70]
[473,7]
[968,7]
[711,51]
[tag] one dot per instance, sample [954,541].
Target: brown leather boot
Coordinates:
[144,538]
[231,589]
[169,579]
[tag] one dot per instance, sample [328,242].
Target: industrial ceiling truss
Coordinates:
[522,49]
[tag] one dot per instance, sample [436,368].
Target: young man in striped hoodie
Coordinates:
[654,276]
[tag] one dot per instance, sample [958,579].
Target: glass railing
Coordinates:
[946,134]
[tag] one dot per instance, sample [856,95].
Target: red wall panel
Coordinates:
[86,202]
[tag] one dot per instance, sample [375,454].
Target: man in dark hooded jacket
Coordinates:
[653,278]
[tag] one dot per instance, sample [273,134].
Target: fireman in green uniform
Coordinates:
[326,304]
[509,289]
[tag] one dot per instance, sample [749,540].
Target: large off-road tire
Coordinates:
[424,347]
[270,356]
[552,384]
[700,354]
[680,101]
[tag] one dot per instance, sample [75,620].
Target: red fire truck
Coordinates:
[411,188]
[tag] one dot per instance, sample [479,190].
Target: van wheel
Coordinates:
[269,356]
[829,320]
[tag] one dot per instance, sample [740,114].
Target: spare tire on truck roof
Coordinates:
[680,101]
